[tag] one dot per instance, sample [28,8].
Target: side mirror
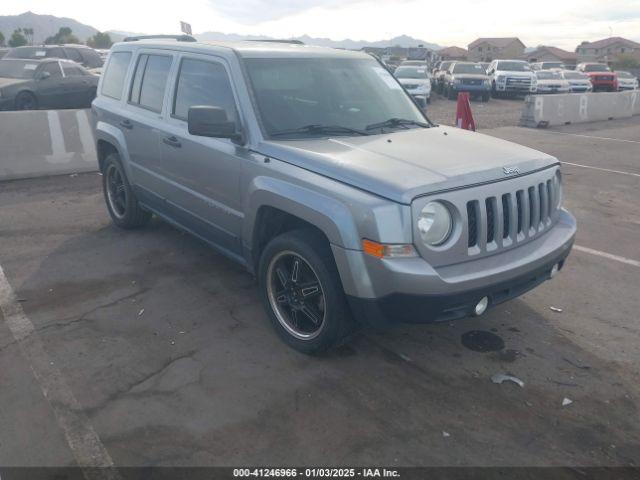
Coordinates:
[44,76]
[207,121]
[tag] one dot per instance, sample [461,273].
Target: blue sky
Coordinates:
[562,23]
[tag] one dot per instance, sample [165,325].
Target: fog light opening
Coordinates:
[554,270]
[481,306]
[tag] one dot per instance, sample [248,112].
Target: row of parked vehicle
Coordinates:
[49,76]
[502,78]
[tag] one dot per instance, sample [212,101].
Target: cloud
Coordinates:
[257,11]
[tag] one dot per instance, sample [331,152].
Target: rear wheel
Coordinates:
[121,200]
[302,292]
[26,101]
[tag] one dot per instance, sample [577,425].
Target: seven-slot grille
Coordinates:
[500,221]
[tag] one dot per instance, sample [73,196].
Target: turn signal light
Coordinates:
[380,250]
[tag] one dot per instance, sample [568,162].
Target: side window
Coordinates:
[53,68]
[71,70]
[203,82]
[56,52]
[73,54]
[150,81]
[113,79]
[91,58]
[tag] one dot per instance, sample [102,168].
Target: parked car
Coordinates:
[417,81]
[437,78]
[550,81]
[414,63]
[512,77]
[313,169]
[626,81]
[485,65]
[50,83]
[467,77]
[85,56]
[548,66]
[578,81]
[601,76]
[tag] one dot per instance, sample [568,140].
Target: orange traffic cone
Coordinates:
[464,117]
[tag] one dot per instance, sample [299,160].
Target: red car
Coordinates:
[601,76]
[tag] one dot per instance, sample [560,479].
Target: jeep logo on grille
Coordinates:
[510,170]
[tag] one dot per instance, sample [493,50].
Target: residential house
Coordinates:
[453,53]
[607,49]
[546,53]
[488,49]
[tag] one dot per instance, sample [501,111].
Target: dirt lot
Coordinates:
[498,112]
[158,349]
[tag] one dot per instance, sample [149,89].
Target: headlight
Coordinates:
[435,223]
[558,189]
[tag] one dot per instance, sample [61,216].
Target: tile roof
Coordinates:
[606,42]
[496,42]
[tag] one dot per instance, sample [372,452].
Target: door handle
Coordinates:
[126,124]
[172,141]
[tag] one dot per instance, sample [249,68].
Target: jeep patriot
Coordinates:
[315,170]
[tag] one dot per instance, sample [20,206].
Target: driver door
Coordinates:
[50,85]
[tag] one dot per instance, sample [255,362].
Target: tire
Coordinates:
[313,321]
[122,204]
[26,101]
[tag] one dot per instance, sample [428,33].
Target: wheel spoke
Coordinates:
[309,312]
[282,298]
[294,318]
[282,276]
[310,289]
[295,270]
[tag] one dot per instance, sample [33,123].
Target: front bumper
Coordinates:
[411,291]
[461,87]
[543,90]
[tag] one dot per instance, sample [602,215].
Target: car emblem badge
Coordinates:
[510,170]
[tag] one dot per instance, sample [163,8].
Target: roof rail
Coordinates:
[271,40]
[179,38]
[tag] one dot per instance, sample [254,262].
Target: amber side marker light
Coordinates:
[381,250]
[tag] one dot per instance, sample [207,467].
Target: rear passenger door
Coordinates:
[78,87]
[143,120]
[203,174]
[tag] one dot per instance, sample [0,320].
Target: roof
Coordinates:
[496,42]
[606,42]
[555,51]
[249,49]
[453,52]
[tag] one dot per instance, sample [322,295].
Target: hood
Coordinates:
[508,73]
[600,74]
[5,82]
[473,76]
[403,165]
[552,81]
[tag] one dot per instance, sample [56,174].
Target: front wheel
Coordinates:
[26,101]
[302,292]
[121,200]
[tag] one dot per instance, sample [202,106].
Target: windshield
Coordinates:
[596,67]
[574,76]
[514,66]
[17,69]
[624,75]
[469,68]
[552,65]
[547,75]
[411,72]
[445,65]
[292,93]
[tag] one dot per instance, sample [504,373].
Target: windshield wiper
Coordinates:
[396,122]
[320,129]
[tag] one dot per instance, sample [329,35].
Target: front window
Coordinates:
[411,72]
[472,68]
[596,67]
[547,75]
[294,93]
[513,66]
[17,69]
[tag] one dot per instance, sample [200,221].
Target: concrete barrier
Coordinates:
[45,142]
[563,109]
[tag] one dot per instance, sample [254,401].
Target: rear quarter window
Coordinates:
[113,80]
[150,81]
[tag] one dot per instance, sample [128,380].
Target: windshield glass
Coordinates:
[547,75]
[292,93]
[469,68]
[28,52]
[574,76]
[596,67]
[17,69]
[514,66]
[624,75]
[552,65]
[411,72]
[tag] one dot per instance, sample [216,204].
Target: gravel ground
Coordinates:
[493,114]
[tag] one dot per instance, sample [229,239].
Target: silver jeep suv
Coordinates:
[315,170]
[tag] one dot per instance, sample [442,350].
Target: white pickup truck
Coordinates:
[511,78]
